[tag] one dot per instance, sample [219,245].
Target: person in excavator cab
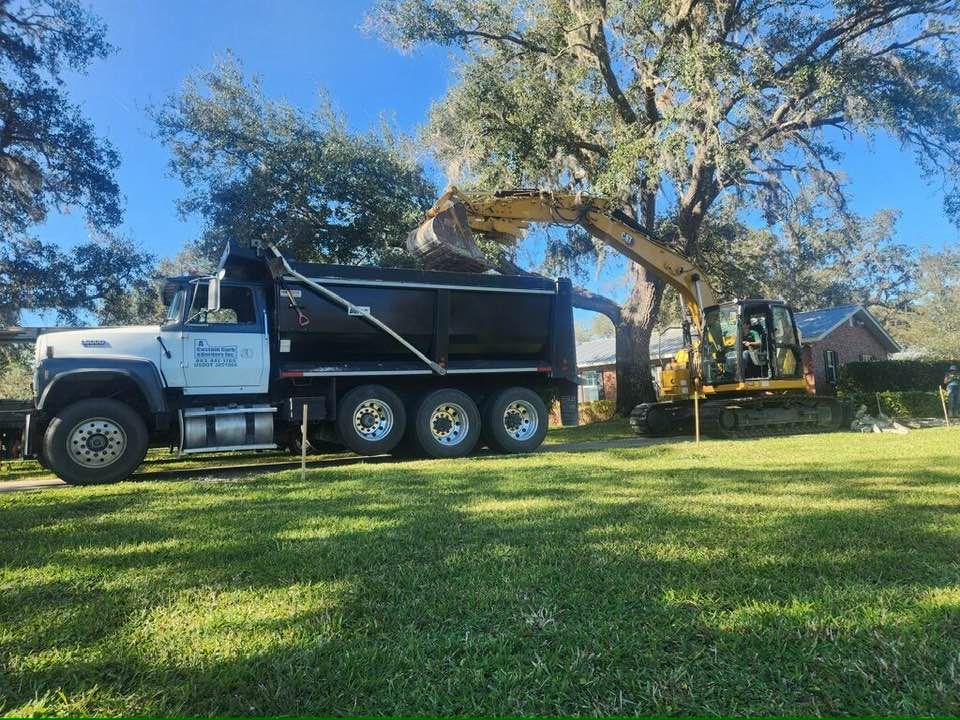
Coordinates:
[752,350]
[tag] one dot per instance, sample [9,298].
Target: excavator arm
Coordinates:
[447,234]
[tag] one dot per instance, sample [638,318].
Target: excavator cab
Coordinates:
[749,340]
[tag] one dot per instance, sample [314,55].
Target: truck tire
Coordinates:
[515,421]
[94,442]
[371,420]
[446,424]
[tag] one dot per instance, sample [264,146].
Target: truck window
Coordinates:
[175,307]
[236,307]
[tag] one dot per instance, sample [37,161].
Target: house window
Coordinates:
[591,386]
[866,357]
[830,364]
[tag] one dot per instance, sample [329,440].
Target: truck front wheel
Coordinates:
[515,421]
[95,442]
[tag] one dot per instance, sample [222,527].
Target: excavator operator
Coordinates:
[752,347]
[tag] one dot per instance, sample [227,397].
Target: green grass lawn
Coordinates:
[803,575]
[159,460]
[616,429]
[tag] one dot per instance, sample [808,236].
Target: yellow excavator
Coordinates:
[742,358]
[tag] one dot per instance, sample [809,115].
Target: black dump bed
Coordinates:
[462,321]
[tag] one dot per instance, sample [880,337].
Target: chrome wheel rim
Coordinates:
[373,420]
[96,442]
[449,424]
[520,420]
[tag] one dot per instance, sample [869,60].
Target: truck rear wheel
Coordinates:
[95,442]
[371,420]
[446,424]
[515,421]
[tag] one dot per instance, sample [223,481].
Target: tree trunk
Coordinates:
[637,317]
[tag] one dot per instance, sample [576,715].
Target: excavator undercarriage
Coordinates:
[746,416]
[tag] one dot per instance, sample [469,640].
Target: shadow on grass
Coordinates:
[535,586]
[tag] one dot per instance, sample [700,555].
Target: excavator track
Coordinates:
[662,419]
[743,417]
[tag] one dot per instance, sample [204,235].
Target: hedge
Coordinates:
[899,403]
[891,375]
[596,411]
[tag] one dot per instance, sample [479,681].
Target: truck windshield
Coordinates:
[175,308]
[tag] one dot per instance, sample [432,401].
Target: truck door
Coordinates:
[225,348]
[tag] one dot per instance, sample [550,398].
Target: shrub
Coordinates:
[596,411]
[899,403]
[873,377]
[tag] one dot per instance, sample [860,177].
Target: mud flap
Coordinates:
[569,410]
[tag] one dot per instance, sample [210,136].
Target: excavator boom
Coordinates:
[446,237]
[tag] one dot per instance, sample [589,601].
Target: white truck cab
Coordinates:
[215,347]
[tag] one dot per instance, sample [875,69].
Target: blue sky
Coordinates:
[297,47]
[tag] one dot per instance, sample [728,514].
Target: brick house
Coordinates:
[838,335]
[831,337]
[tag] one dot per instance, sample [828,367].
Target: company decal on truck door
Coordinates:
[206,355]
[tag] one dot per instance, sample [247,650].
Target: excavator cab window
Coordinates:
[719,346]
[786,343]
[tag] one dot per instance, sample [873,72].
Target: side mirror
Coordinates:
[213,291]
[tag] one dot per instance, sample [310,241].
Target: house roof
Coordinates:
[817,324]
[603,351]
[813,325]
[593,353]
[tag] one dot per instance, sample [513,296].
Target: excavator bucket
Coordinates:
[445,241]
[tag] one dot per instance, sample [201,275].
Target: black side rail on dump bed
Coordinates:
[349,306]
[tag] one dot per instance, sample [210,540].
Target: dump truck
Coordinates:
[377,360]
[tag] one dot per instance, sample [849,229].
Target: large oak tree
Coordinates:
[684,101]
[51,160]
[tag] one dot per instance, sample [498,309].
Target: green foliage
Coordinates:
[16,374]
[872,377]
[932,324]
[86,280]
[812,261]
[626,97]
[256,169]
[598,327]
[812,575]
[141,303]
[899,403]
[597,411]
[50,157]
